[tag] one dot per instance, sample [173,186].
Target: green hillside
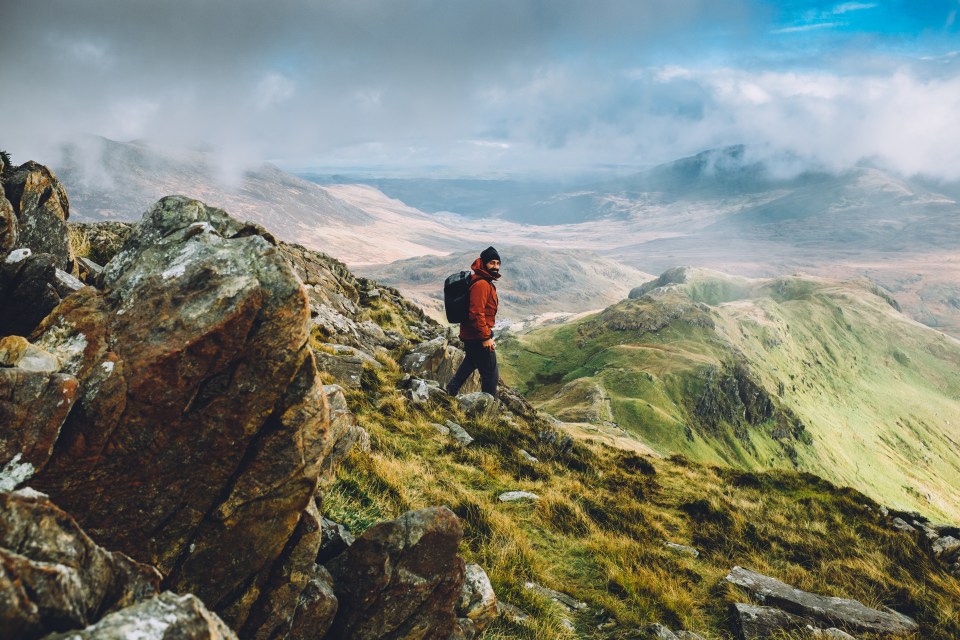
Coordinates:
[796,372]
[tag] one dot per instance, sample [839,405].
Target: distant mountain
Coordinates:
[793,372]
[110,180]
[535,281]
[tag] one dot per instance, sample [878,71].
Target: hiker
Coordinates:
[477,330]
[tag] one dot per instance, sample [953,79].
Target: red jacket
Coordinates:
[483,304]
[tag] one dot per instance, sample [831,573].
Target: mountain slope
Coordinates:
[802,372]
[535,281]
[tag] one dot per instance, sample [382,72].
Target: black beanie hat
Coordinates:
[489,254]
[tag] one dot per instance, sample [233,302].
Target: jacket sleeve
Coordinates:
[480,294]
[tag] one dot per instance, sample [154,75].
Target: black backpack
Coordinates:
[456,296]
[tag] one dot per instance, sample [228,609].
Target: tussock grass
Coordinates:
[599,530]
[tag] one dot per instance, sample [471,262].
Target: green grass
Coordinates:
[861,395]
[598,531]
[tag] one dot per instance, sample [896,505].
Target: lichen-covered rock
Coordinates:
[752,622]
[438,360]
[9,229]
[344,433]
[400,579]
[422,392]
[197,438]
[478,602]
[103,240]
[344,363]
[41,206]
[53,577]
[478,405]
[848,615]
[164,617]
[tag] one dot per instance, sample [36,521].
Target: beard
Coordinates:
[494,271]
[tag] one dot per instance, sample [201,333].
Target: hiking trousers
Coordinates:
[478,359]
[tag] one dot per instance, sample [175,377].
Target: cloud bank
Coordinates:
[474,87]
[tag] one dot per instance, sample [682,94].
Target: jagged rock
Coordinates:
[459,434]
[41,206]
[424,391]
[90,272]
[682,549]
[566,600]
[477,601]
[512,613]
[274,614]
[400,579]
[478,405]
[28,291]
[438,360]
[316,608]
[164,617]
[846,614]
[197,437]
[335,539]
[656,631]
[517,496]
[53,577]
[344,433]
[345,363]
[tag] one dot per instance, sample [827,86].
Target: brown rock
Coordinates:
[53,577]
[195,444]
[400,579]
[316,607]
[41,206]
[164,617]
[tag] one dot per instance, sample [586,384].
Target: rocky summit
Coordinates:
[207,433]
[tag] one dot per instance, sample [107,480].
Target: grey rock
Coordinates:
[442,429]
[831,634]
[478,405]
[945,546]
[752,622]
[459,434]
[345,363]
[527,456]
[656,631]
[688,635]
[344,433]
[65,283]
[42,208]
[164,617]
[478,602]
[517,496]
[90,272]
[831,612]
[900,525]
[424,391]
[565,599]
[682,549]
[438,360]
[9,228]
[335,539]
[512,613]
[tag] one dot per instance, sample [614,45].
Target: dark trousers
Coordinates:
[478,358]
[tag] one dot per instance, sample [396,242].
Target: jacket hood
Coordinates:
[478,269]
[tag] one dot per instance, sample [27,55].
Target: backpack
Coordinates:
[456,296]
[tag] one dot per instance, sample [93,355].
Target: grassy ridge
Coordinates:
[599,529]
[844,386]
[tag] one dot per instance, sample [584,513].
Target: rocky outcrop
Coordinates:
[28,290]
[400,579]
[438,360]
[196,439]
[40,205]
[53,577]
[818,611]
[165,617]
[477,600]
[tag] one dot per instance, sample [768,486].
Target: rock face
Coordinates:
[41,207]
[165,617]
[438,360]
[848,615]
[400,579]
[196,441]
[53,577]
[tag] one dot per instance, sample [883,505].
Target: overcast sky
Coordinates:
[488,86]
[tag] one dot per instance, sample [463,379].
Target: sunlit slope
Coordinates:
[802,372]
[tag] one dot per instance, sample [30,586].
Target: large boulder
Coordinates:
[400,579]
[197,437]
[41,207]
[164,617]
[848,615]
[53,577]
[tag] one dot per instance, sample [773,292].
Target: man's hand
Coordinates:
[488,344]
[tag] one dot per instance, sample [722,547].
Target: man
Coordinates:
[477,331]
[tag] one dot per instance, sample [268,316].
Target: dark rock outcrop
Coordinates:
[822,611]
[28,291]
[196,441]
[53,577]
[400,579]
